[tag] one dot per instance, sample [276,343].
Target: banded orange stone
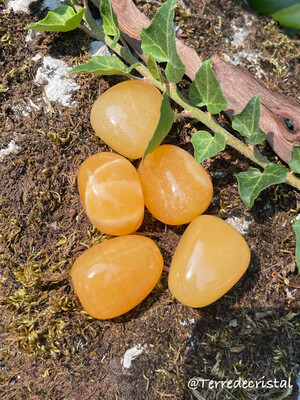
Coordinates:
[176,189]
[210,258]
[126,115]
[111,193]
[114,276]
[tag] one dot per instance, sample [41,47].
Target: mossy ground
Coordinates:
[50,348]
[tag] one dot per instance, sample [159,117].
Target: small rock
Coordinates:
[10,148]
[24,5]
[51,4]
[132,354]
[52,74]
[98,48]
[32,34]
[239,224]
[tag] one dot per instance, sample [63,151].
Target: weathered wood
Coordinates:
[237,83]
[239,86]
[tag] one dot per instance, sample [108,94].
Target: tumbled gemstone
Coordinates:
[176,189]
[210,258]
[126,115]
[111,193]
[114,276]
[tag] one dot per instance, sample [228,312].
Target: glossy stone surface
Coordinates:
[176,189]
[210,258]
[126,115]
[114,276]
[111,193]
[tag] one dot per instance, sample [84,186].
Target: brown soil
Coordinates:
[50,348]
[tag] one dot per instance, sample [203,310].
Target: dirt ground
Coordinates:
[49,347]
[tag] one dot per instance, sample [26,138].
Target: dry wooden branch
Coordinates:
[237,83]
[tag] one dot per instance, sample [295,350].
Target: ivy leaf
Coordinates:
[163,126]
[62,19]
[205,90]
[294,163]
[159,39]
[289,17]
[247,121]
[206,145]
[109,21]
[286,12]
[153,68]
[296,227]
[253,181]
[104,65]
[268,7]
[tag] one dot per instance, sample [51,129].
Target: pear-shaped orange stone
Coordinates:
[210,258]
[111,193]
[176,189]
[114,276]
[126,115]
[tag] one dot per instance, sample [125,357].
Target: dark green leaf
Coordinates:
[247,122]
[289,17]
[206,90]
[104,65]
[110,21]
[296,227]
[163,126]
[206,145]
[294,163]
[286,12]
[268,7]
[62,19]
[252,182]
[159,39]
[153,67]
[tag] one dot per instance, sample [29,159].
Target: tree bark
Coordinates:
[237,84]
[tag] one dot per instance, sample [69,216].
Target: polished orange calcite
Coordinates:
[111,193]
[176,189]
[126,115]
[210,258]
[114,276]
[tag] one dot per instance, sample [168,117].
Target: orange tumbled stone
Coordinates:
[111,193]
[126,115]
[210,258]
[114,276]
[176,189]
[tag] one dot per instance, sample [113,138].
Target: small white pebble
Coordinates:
[12,147]
[24,5]
[219,174]
[37,57]
[52,74]
[32,34]
[19,5]
[98,48]
[51,4]
[239,224]
[132,354]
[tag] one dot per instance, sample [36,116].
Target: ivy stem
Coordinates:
[178,116]
[231,140]
[176,95]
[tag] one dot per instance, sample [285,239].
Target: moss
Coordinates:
[280,49]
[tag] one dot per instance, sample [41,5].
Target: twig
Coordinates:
[88,32]
[197,395]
